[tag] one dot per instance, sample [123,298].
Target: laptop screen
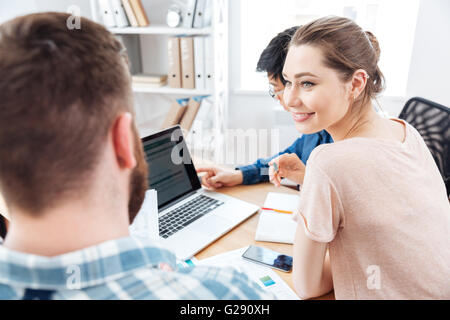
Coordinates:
[171,171]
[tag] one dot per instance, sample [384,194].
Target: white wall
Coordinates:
[11,9]
[430,64]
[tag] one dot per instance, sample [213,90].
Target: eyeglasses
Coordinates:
[274,94]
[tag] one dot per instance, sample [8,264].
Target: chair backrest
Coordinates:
[2,227]
[432,120]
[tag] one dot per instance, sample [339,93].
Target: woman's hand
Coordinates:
[216,177]
[289,166]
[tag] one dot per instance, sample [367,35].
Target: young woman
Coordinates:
[375,197]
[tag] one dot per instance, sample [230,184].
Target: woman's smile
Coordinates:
[301,116]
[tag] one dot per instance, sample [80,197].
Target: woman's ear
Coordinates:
[122,135]
[358,83]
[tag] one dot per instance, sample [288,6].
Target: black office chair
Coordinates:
[432,120]
[2,227]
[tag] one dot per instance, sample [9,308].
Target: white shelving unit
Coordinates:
[219,92]
[161,29]
[170,91]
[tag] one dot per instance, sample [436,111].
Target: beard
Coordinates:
[138,179]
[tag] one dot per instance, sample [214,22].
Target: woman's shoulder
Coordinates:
[340,155]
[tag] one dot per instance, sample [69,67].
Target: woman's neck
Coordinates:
[368,124]
[355,125]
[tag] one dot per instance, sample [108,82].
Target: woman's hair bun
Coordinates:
[374,43]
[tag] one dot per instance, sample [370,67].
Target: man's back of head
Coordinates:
[60,90]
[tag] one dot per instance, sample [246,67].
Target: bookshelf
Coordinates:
[137,87]
[153,47]
[161,29]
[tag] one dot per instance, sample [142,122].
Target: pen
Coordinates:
[275,167]
[276,210]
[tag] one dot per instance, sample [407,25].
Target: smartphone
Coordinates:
[268,258]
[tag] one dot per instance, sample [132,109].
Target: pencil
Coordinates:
[276,210]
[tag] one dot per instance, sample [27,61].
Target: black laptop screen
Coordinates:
[171,171]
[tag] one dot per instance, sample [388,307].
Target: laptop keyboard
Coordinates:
[184,215]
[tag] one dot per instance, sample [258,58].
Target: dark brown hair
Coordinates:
[274,55]
[346,48]
[60,91]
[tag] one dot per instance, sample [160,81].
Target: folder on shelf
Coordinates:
[189,12]
[153,80]
[199,14]
[203,120]
[130,13]
[191,113]
[207,14]
[175,113]
[139,12]
[209,62]
[107,13]
[119,13]
[187,62]
[174,62]
[200,137]
[199,62]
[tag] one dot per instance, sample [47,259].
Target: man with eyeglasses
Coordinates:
[271,61]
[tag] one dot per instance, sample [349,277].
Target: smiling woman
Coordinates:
[313,84]
[359,195]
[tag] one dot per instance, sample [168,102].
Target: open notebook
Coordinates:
[275,220]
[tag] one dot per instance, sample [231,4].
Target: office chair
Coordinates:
[432,120]
[2,227]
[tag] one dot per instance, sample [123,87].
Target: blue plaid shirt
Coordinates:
[126,268]
[302,147]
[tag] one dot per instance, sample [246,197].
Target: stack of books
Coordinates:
[151,80]
[123,13]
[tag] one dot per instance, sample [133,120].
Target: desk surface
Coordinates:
[244,234]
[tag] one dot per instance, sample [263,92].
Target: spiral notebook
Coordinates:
[275,220]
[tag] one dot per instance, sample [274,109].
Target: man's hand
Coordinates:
[216,177]
[289,166]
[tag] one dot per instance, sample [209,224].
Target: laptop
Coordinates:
[190,217]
